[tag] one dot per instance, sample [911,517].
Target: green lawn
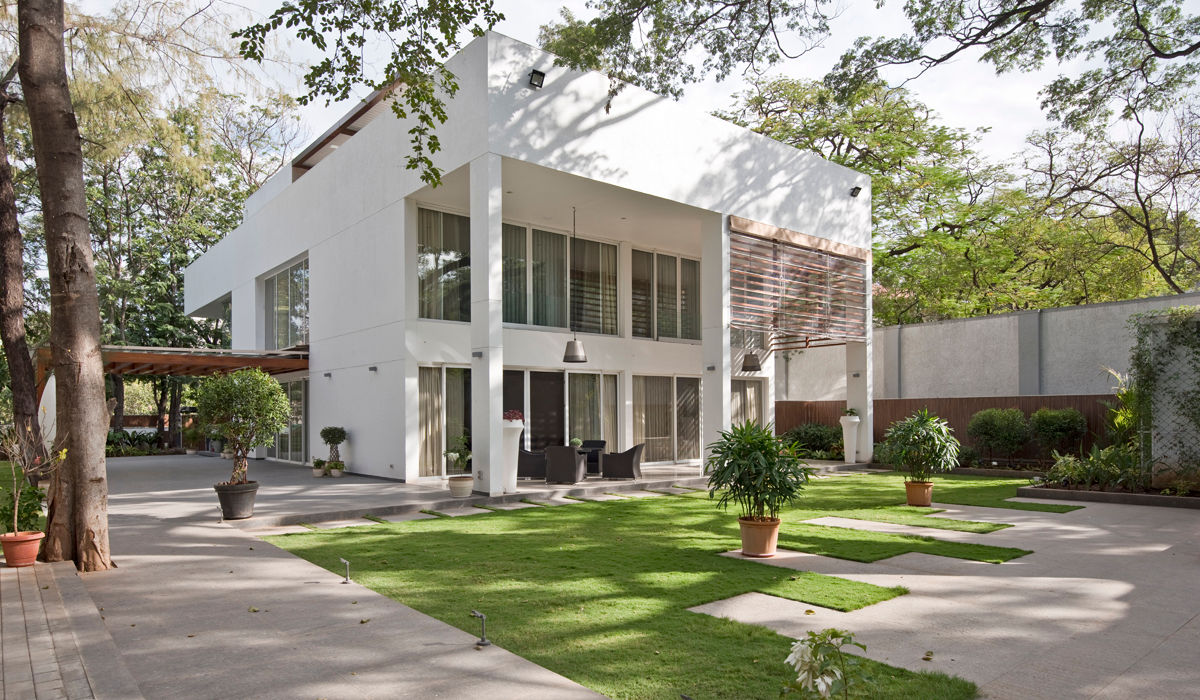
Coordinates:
[599,591]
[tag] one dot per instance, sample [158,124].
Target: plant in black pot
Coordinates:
[922,444]
[761,472]
[247,408]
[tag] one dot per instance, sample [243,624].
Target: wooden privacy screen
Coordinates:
[801,296]
[956,411]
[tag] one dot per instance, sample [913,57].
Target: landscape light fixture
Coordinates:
[483,640]
[574,351]
[854,191]
[347,579]
[750,362]
[537,79]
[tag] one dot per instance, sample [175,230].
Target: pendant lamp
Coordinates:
[574,352]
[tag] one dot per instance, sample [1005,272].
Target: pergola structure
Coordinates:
[132,361]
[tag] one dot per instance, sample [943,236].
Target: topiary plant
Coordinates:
[923,444]
[333,436]
[1001,431]
[1057,429]
[247,408]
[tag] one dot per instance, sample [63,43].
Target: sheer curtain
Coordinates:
[652,417]
[549,279]
[610,412]
[583,396]
[687,417]
[689,299]
[747,401]
[668,307]
[593,287]
[643,294]
[429,414]
[458,405]
[515,295]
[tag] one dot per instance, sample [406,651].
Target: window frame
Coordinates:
[655,253]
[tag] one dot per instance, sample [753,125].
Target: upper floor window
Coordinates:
[287,307]
[665,293]
[548,281]
[443,265]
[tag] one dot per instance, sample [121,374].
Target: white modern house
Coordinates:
[671,244]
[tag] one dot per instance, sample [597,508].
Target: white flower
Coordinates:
[810,676]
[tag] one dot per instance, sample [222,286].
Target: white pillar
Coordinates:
[860,380]
[487,343]
[714,308]
[411,397]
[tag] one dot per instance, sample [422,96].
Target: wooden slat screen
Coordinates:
[796,294]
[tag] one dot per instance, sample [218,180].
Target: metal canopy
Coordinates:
[800,295]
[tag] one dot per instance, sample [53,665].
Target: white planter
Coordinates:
[461,486]
[512,446]
[336,473]
[850,437]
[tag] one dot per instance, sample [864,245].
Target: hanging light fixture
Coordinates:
[750,362]
[574,351]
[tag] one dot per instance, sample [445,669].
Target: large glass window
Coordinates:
[291,443]
[666,417]
[444,265]
[550,281]
[444,414]
[665,291]
[286,312]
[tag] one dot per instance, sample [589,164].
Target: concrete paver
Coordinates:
[1108,605]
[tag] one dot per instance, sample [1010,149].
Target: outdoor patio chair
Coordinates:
[531,465]
[565,465]
[594,449]
[623,465]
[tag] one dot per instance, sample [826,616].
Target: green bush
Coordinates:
[1000,431]
[751,466]
[922,444]
[815,437]
[29,509]
[968,457]
[1114,466]
[1057,429]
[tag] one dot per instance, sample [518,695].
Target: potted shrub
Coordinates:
[23,507]
[336,469]
[761,472]
[922,444]
[850,421]
[459,456]
[247,408]
[333,436]
[318,466]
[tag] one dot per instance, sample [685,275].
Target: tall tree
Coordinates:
[78,524]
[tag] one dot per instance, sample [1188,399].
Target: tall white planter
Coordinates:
[850,437]
[512,444]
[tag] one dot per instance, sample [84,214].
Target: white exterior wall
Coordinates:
[649,175]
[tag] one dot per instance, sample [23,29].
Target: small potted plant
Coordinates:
[23,508]
[248,408]
[336,469]
[761,472]
[850,421]
[576,442]
[318,467]
[922,444]
[333,436]
[459,455]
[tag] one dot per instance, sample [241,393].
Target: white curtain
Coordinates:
[583,396]
[689,299]
[642,294]
[594,287]
[610,412]
[667,290]
[516,263]
[653,405]
[549,279]
[429,412]
[687,416]
[747,401]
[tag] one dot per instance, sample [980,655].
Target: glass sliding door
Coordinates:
[747,401]
[611,413]
[687,417]
[546,419]
[443,265]
[653,422]
[549,272]
[291,442]
[583,406]
[429,414]
[458,411]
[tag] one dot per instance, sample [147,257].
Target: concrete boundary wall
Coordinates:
[1061,351]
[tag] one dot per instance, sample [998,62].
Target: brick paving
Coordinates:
[40,656]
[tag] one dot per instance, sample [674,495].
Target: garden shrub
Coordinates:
[1000,431]
[1057,429]
[1114,466]
[968,456]
[815,437]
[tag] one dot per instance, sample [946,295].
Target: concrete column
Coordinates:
[860,378]
[1029,353]
[487,341]
[714,308]
[410,459]
[247,331]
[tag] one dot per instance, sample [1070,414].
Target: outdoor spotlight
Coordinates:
[854,191]
[347,579]
[537,78]
[483,640]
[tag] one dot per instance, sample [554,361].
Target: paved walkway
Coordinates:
[1108,605]
[200,609]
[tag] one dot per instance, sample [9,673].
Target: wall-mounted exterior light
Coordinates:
[537,79]
[854,191]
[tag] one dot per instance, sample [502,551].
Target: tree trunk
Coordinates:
[173,431]
[77,529]
[12,303]
[118,384]
[160,413]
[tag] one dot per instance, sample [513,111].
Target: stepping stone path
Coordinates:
[459,512]
[640,494]
[405,517]
[554,500]
[601,497]
[517,505]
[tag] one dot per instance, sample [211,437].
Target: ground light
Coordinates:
[483,640]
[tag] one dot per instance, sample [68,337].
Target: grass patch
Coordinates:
[599,592]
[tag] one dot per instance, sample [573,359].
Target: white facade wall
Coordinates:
[648,174]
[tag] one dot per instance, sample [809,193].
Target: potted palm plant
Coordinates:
[23,508]
[247,408]
[922,444]
[751,466]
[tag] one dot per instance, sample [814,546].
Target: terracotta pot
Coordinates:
[759,537]
[461,486]
[21,548]
[237,500]
[920,493]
